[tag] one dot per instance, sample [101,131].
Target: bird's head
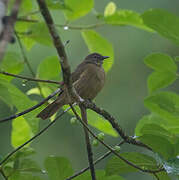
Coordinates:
[96,58]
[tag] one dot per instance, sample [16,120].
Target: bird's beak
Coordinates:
[105,57]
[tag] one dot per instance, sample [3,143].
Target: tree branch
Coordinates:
[34,137]
[8,28]
[111,149]
[30,79]
[88,145]
[32,108]
[114,124]
[57,43]
[95,162]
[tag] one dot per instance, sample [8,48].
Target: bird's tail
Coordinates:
[50,110]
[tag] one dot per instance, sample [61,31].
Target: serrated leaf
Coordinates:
[97,43]
[159,144]
[5,96]
[11,63]
[110,9]
[117,166]
[164,22]
[49,68]
[165,104]
[161,62]
[126,17]
[58,168]
[159,80]
[19,127]
[79,9]
[149,119]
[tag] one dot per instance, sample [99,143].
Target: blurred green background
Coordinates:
[124,91]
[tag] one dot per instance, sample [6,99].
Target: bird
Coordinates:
[88,79]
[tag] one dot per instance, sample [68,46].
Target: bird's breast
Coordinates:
[91,82]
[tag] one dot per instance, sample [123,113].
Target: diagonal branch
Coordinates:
[95,162]
[111,149]
[114,124]
[30,79]
[8,28]
[88,145]
[34,137]
[32,108]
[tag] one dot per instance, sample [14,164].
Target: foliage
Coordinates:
[159,129]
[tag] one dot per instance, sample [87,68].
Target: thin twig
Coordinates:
[88,145]
[24,55]
[30,79]
[95,162]
[77,27]
[111,149]
[66,26]
[8,28]
[27,61]
[34,137]
[114,124]
[32,108]
[3,174]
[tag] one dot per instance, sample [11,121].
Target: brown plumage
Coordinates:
[88,79]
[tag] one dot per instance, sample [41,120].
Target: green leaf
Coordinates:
[159,80]
[126,17]
[49,68]
[163,175]
[149,119]
[19,127]
[110,9]
[117,166]
[155,130]
[38,32]
[79,9]
[58,168]
[165,104]
[29,165]
[100,123]
[5,95]
[18,176]
[22,102]
[56,4]
[161,62]
[97,43]
[177,59]
[11,63]
[159,144]
[26,7]
[164,22]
